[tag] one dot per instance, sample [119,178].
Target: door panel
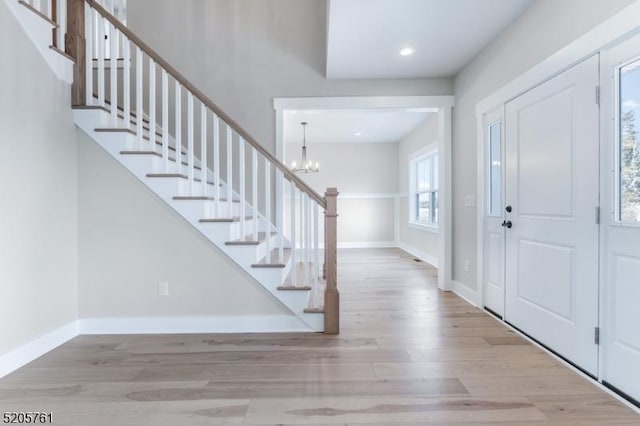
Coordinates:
[493,259]
[621,217]
[552,185]
[545,156]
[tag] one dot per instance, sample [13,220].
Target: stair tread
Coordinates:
[179,175]
[133,114]
[294,288]
[200,198]
[126,130]
[167,175]
[224,219]
[313,311]
[157,154]
[62,52]
[272,260]
[249,240]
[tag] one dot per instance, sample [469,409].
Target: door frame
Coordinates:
[616,29]
[442,105]
[489,119]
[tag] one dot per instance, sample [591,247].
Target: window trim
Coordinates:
[617,178]
[430,153]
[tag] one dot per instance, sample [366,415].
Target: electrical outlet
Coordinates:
[466,265]
[163,288]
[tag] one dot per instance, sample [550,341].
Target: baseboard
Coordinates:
[186,325]
[471,296]
[425,257]
[367,244]
[17,358]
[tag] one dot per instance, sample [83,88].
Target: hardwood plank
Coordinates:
[365,410]
[408,354]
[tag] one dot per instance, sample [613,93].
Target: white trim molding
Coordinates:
[620,26]
[424,256]
[465,292]
[617,28]
[191,325]
[366,244]
[367,195]
[442,105]
[28,352]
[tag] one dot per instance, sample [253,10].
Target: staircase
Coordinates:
[193,156]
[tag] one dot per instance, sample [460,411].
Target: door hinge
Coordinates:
[598,95]
[597,215]
[596,337]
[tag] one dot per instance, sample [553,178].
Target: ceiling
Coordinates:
[365,36]
[353,125]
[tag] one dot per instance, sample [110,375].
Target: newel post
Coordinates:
[75,46]
[331,295]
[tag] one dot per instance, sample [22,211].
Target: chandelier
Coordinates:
[305,166]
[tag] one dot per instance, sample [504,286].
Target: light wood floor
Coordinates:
[407,355]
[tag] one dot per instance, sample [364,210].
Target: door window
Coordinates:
[629,143]
[495,169]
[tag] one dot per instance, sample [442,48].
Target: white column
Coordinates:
[126,79]
[241,185]
[216,164]
[254,192]
[165,120]
[190,142]
[267,205]
[292,208]
[229,171]
[139,95]
[178,135]
[152,105]
[90,14]
[101,47]
[203,147]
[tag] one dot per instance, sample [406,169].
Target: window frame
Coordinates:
[431,155]
[618,204]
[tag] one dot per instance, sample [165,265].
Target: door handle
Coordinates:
[507,224]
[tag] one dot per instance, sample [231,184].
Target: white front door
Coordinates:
[493,268]
[621,218]
[552,135]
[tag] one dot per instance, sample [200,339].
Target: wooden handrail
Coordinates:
[207,102]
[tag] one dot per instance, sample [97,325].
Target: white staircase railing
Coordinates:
[199,142]
[56,11]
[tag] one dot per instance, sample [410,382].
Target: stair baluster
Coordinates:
[287,237]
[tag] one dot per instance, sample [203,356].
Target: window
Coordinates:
[423,193]
[495,169]
[629,143]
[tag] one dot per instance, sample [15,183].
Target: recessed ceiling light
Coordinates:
[406,51]
[357,133]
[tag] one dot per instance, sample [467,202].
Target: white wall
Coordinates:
[242,54]
[366,175]
[417,241]
[38,175]
[546,27]
[130,240]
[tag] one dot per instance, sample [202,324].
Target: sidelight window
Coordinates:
[629,143]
